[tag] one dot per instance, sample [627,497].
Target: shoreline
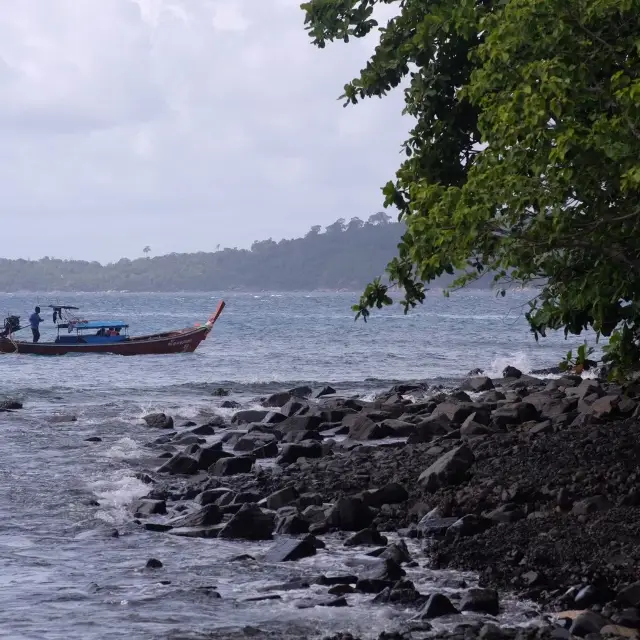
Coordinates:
[528,482]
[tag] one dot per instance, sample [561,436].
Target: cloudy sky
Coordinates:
[179,124]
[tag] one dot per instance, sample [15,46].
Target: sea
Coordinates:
[64,572]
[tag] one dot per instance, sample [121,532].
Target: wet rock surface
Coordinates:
[530,483]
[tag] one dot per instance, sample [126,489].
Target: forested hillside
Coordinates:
[342,256]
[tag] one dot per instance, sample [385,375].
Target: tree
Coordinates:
[354,224]
[379,218]
[314,231]
[146,251]
[552,91]
[336,227]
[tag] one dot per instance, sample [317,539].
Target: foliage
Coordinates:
[551,90]
[344,259]
[581,362]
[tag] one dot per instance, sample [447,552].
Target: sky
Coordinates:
[181,125]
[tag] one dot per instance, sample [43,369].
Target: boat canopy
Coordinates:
[98,324]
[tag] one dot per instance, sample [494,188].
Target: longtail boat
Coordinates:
[103,336]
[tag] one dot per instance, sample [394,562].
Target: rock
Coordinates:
[277,399]
[369,536]
[210,496]
[153,563]
[207,516]
[294,407]
[93,439]
[290,549]
[391,493]
[324,391]
[514,414]
[477,384]
[253,440]
[247,416]
[249,523]
[471,428]
[382,575]
[300,436]
[363,428]
[269,450]
[10,404]
[437,605]
[292,525]
[233,466]
[301,392]
[180,464]
[507,513]
[230,404]
[207,429]
[481,601]
[591,595]
[629,618]
[511,372]
[451,468]
[282,498]
[433,525]
[62,418]
[456,412]
[307,449]
[629,595]
[301,423]
[350,514]
[587,622]
[398,552]
[146,507]
[432,426]
[593,504]
[273,417]
[159,421]
[469,525]
[208,456]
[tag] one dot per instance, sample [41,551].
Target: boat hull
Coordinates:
[184,341]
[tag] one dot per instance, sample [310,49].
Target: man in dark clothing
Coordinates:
[34,321]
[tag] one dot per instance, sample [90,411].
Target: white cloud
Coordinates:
[184,123]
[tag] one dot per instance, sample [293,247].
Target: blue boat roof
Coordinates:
[100,324]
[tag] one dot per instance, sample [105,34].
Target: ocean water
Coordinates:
[63,573]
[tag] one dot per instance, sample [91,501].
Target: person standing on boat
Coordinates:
[34,321]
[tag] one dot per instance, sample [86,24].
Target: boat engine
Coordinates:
[11,325]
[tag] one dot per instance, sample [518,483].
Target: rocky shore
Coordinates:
[532,483]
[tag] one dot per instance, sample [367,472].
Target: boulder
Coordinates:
[399,428]
[277,399]
[434,425]
[294,407]
[586,623]
[206,456]
[253,440]
[350,514]
[292,524]
[307,449]
[477,384]
[592,504]
[514,414]
[159,421]
[481,601]
[437,605]
[180,464]
[299,436]
[233,466]
[511,372]
[323,391]
[204,429]
[369,536]
[363,428]
[282,498]
[290,549]
[249,523]
[209,496]
[380,576]
[456,412]
[147,507]
[391,493]
[269,450]
[301,392]
[300,423]
[249,415]
[449,469]
[207,516]
[629,595]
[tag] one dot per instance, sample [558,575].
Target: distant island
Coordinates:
[343,256]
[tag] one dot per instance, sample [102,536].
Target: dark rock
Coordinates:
[153,563]
[277,399]
[290,549]
[511,372]
[350,514]
[379,577]
[437,605]
[593,504]
[363,428]
[292,452]
[247,496]
[249,523]
[230,404]
[450,468]
[157,526]
[301,423]
[273,417]
[159,421]
[180,464]
[434,525]
[627,618]
[591,595]
[203,430]
[292,524]
[506,513]
[477,384]
[341,589]
[282,498]
[207,516]
[432,426]
[269,450]
[587,622]
[93,439]
[247,416]
[629,595]
[300,436]
[469,525]
[335,580]
[253,441]
[392,493]
[209,496]
[233,466]
[146,507]
[456,412]
[398,552]
[369,536]
[324,391]
[294,407]
[301,392]
[481,601]
[207,456]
